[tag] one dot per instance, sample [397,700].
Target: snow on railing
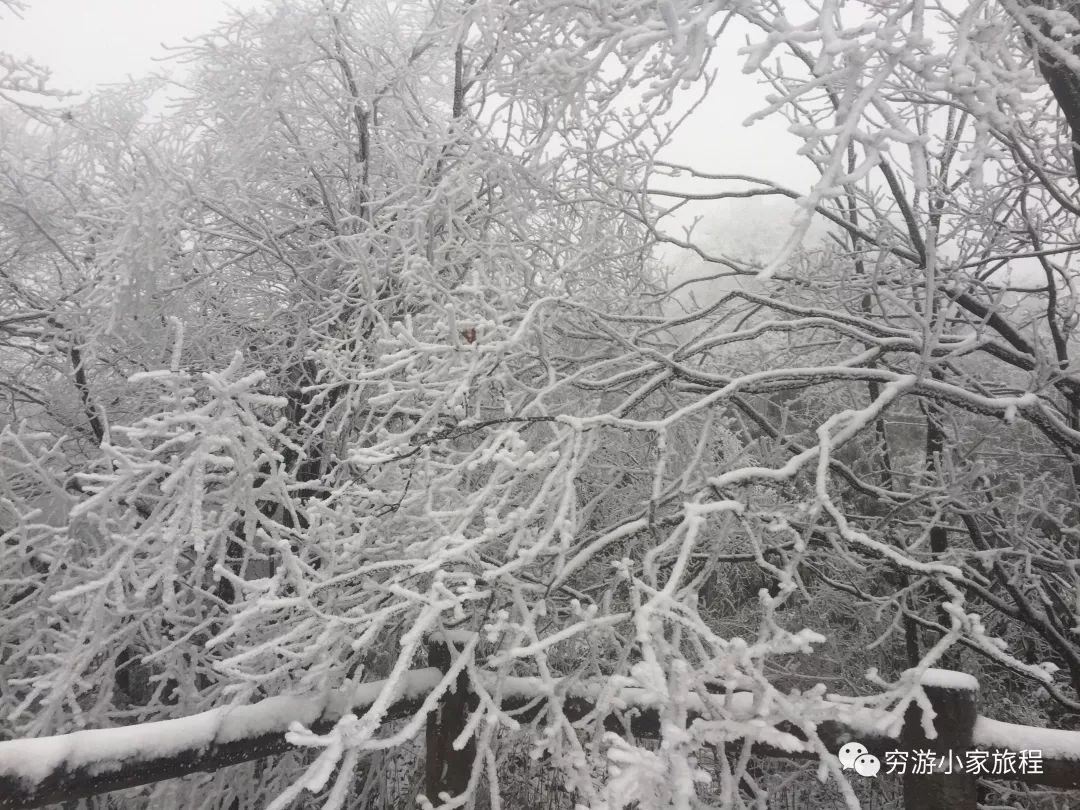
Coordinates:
[39,771]
[36,772]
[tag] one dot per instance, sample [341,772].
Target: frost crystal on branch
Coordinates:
[357,375]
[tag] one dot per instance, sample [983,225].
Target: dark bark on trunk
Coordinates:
[448,769]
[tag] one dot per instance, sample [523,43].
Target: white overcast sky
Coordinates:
[92,42]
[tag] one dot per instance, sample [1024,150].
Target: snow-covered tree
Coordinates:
[364,347]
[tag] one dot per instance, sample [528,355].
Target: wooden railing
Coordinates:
[38,772]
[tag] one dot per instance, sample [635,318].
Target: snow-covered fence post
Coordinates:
[447,768]
[953,697]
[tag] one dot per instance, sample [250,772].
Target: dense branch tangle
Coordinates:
[948,258]
[364,355]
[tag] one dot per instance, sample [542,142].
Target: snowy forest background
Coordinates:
[390,324]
